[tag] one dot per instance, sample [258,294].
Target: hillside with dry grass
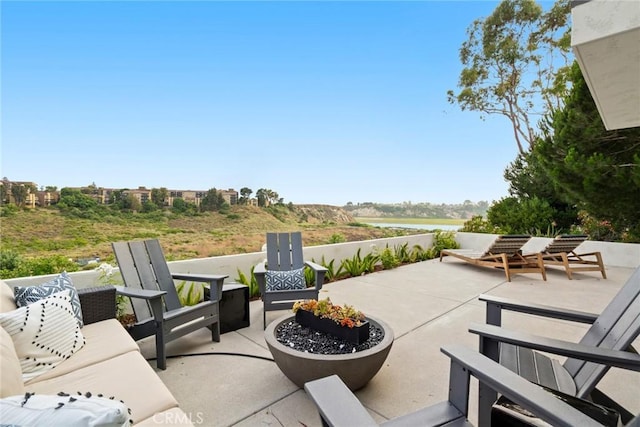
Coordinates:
[46,232]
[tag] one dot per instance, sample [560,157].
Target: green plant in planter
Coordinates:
[251,282]
[388,259]
[443,240]
[353,266]
[190,293]
[108,276]
[309,277]
[331,274]
[344,315]
[369,262]
[402,253]
[418,254]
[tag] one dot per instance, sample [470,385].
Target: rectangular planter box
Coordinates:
[355,335]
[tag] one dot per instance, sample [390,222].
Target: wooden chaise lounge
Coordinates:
[561,251]
[505,253]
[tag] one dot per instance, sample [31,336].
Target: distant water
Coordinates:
[445,227]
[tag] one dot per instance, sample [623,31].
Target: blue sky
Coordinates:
[322,102]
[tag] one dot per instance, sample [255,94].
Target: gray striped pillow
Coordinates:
[30,294]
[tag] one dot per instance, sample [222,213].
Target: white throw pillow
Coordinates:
[63,410]
[29,294]
[44,333]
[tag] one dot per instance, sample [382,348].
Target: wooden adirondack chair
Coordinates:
[154,298]
[505,253]
[607,343]
[339,407]
[284,269]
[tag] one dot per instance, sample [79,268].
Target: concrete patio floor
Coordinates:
[427,304]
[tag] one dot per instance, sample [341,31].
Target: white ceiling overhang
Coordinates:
[605,38]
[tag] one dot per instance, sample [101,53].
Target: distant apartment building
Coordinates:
[230,196]
[30,197]
[142,194]
[21,193]
[47,198]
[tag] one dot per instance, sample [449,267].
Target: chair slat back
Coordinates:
[509,244]
[564,243]
[284,251]
[143,266]
[163,275]
[616,328]
[130,278]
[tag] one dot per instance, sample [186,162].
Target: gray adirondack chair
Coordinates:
[284,254]
[505,253]
[562,251]
[606,344]
[339,407]
[154,299]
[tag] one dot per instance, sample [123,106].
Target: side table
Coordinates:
[234,307]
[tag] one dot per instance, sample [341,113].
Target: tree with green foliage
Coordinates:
[596,169]
[70,198]
[149,206]
[90,189]
[262,197]
[245,195]
[19,192]
[159,196]
[213,201]
[129,202]
[523,216]
[515,65]
[528,179]
[117,196]
[179,205]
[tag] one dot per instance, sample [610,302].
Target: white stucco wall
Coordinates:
[229,264]
[613,254]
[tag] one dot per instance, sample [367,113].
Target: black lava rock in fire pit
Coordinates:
[304,339]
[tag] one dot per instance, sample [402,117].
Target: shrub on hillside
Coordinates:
[13,265]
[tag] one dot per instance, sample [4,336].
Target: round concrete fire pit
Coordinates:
[355,369]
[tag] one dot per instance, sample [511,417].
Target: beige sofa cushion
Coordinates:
[127,377]
[7,300]
[104,340]
[10,372]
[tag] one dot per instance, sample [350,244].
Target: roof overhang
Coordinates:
[605,38]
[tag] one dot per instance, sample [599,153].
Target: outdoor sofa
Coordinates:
[108,365]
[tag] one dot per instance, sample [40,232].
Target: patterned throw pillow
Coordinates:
[77,410]
[285,280]
[44,333]
[30,294]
